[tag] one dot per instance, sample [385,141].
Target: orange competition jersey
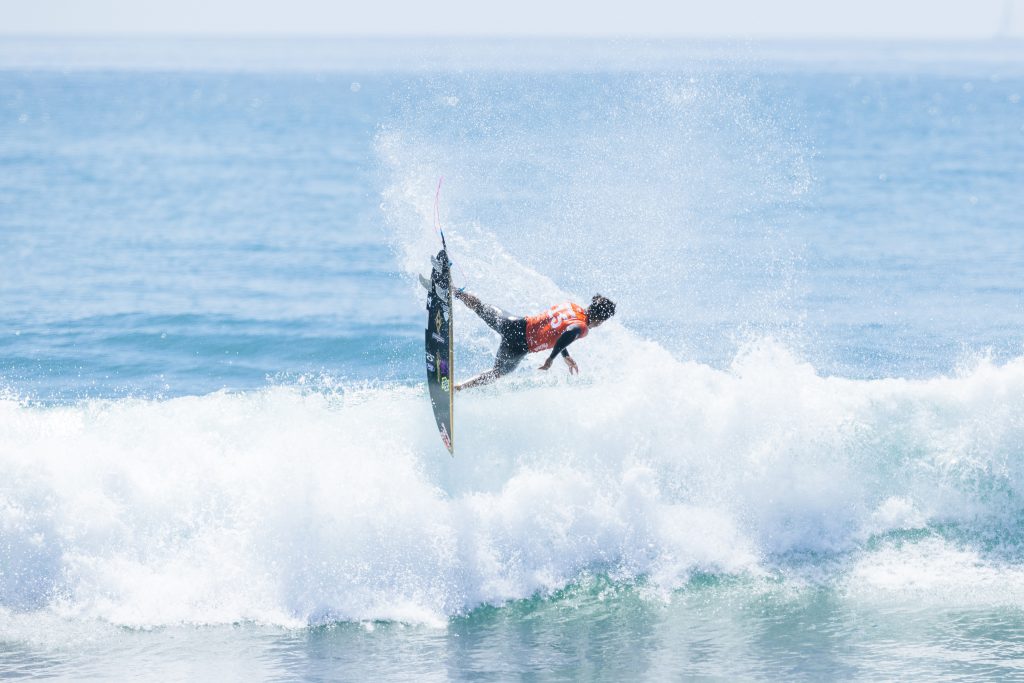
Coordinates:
[544,329]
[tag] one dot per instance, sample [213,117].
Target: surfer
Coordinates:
[553,329]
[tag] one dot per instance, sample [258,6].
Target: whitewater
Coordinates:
[265,506]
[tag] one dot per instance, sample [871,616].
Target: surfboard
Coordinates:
[438,348]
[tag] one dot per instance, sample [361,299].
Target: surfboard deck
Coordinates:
[439,348]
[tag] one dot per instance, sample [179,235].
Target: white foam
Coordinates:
[934,573]
[291,506]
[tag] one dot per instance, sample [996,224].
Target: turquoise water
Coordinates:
[794,454]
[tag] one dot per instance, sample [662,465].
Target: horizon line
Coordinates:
[651,37]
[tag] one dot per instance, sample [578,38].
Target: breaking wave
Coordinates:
[293,505]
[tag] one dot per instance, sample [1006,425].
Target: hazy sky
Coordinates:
[917,19]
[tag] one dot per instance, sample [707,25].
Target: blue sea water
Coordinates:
[796,452]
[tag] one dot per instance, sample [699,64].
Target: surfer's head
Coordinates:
[600,309]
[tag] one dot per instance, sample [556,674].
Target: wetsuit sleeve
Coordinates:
[568,337]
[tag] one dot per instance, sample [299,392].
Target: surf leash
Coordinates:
[437,213]
[439,229]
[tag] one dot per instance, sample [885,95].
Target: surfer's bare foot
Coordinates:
[470,300]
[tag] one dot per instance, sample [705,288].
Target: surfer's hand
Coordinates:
[573,368]
[546,366]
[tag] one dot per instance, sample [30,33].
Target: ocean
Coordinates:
[796,452]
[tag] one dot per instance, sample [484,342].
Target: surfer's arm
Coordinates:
[561,347]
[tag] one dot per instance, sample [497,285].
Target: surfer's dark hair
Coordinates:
[600,309]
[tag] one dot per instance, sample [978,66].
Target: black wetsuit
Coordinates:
[512,330]
[513,346]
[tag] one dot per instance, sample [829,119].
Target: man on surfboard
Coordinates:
[553,329]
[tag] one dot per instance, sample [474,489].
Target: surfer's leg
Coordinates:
[482,378]
[492,315]
[507,360]
[471,300]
